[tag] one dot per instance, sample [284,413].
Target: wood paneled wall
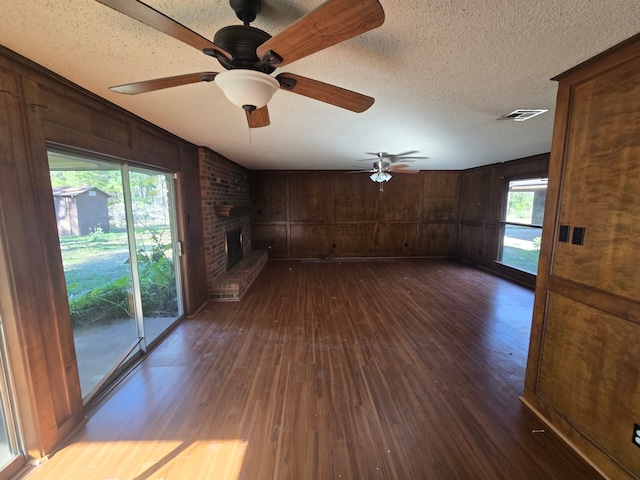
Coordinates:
[583,373]
[38,109]
[336,214]
[482,193]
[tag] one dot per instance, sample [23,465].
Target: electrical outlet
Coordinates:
[578,236]
[635,439]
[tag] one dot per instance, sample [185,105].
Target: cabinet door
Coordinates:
[601,183]
[587,372]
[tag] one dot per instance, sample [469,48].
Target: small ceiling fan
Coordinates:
[383,168]
[250,55]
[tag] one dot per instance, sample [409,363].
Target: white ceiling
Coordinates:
[441,71]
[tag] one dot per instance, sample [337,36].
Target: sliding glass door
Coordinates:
[116,226]
[153,227]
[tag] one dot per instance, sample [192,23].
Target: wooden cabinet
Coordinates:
[583,373]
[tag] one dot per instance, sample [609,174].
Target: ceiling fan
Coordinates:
[250,55]
[383,168]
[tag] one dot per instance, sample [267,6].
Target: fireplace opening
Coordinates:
[233,247]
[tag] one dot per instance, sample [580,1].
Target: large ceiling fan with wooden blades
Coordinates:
[251,55]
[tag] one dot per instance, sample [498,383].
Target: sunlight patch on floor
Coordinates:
[146,460]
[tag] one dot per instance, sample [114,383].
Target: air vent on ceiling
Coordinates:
[523,114]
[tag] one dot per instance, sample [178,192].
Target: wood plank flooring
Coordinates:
[398,369]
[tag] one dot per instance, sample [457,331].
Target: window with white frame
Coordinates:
[522,223]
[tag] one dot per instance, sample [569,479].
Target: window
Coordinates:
[522,223]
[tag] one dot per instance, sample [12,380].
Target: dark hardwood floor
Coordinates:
[398,369]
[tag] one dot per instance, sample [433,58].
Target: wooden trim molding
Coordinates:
[573,442]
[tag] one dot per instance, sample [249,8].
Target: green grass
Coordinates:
[526,260]
[98,276]
[92,261]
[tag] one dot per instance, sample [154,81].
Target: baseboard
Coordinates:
[564,438]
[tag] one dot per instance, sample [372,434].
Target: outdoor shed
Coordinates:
[80,209]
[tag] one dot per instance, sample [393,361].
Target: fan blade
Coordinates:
[406,159]
[402,170]
[155,19]
[385,159]
[161,83]
[324,92]
[393,158]
[332,22]
[363,171]
[258,118]
[402,154]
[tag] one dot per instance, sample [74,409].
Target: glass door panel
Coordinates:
[9,441]
[152,203]
[6,455]
[11,446]
[90,208]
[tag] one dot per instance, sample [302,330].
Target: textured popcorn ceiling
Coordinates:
[441,71]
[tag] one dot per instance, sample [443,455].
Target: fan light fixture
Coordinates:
[380,176]
[247,89]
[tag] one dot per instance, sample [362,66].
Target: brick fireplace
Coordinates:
[232,265]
